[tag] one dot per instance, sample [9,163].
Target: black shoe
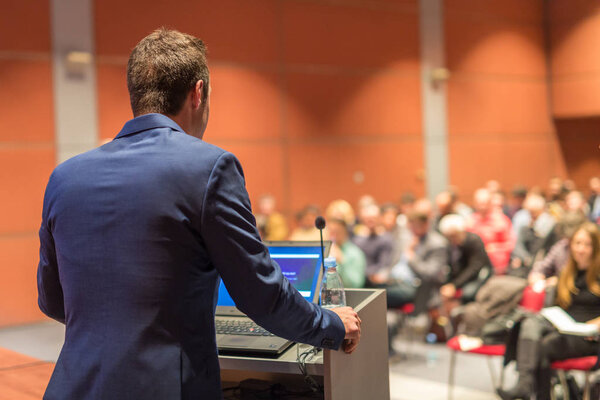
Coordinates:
[514,394]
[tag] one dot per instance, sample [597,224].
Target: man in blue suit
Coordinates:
[135,235]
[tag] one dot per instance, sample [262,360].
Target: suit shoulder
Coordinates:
[72,164]
[193,146]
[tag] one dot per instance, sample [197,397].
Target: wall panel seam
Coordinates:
[490,18]
[19,235]
[25,56]
[10,145]
[317,69]
[363,4]
[465,75]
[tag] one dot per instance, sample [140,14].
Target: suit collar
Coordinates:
[146,122]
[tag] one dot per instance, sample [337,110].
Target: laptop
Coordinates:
[237,334]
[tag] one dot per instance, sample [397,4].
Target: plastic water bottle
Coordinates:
[332,289]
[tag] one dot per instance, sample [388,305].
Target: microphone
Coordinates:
[320,225]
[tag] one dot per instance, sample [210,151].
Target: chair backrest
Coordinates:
[532,300]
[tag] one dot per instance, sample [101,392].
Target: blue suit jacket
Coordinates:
[133,239]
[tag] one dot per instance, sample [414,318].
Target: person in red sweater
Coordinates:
[494,228]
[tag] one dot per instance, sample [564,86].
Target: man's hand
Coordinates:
[352,323]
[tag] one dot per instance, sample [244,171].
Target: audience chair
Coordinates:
[406,319]
[531,300]
[585,364]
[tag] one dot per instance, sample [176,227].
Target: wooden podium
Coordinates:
[361,375]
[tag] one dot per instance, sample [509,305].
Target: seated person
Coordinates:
[545,272]
[398,233]
[594,200]
[444,203]
[422,268]
[271,224]
[530,239]
[578,293]
[494,228]
[470,266]
[517,198]
[351,261]
[341,209]
[376,244]
[305,229]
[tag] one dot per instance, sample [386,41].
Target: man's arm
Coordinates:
[254,281]
[50,293]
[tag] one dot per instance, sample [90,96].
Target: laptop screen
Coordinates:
[300,263]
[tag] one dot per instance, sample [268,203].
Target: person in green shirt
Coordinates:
[351,261]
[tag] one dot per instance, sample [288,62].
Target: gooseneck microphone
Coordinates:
[320,225]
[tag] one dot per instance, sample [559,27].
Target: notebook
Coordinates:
[567,325]
[301,264]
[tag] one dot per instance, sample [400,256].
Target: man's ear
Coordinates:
[196,94]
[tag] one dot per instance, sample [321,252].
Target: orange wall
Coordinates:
[308,93]
[26,151]
[575,40]
[305,93]
[498,117]
[579,140]
[575,65]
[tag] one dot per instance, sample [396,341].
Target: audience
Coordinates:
[341,209]
[594,199]
[546,270]
[271,224]
[399,234]
[518,195]
[350,259]
[376,244]
[575,201]
[423,266]
[494,228]
[531,238]
[578,293]
[469,263]
[533,212]
[305,228]
[555,197]
[438,262]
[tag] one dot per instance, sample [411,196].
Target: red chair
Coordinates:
[406,324]
[486,350]
[586,364]
[531,300]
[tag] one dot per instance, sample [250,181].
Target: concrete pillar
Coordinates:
[74,77]
[433,94]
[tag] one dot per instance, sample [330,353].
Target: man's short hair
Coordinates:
[162,69]
[452,223]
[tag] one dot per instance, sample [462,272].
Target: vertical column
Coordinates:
[74,77]
[433,94]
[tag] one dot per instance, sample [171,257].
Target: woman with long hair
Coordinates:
[578,293]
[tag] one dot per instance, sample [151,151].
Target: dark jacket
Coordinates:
[467,260]
[133,239]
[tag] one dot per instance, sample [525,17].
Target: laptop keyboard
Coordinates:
[236,326]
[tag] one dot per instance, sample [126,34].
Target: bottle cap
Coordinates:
[330,262]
